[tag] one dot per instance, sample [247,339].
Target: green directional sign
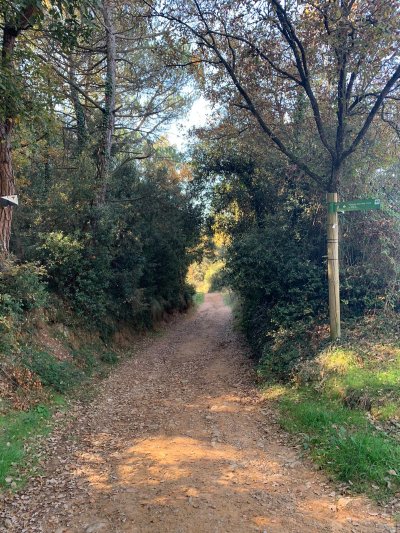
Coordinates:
[358,205]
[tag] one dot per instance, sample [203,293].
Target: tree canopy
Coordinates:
[306,101]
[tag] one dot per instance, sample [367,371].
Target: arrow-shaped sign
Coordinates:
[7,201]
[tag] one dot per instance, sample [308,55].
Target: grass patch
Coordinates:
[343,402]
[198,298]
[343,442]
[376,381]
[16,428]
[61,376]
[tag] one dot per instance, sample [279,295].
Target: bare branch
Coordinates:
[375,109]
[74,85]
[300,56]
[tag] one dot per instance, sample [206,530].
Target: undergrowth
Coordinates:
[229,298]
[38,383]
[344,405]
[59,375]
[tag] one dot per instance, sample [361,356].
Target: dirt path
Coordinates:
[179,442]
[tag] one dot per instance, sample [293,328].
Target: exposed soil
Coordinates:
[179,441]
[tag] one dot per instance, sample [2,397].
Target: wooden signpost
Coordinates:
[334,208]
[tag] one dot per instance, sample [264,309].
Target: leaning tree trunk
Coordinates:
[108,124]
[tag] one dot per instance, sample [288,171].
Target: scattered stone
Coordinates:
[8,523]
[97,526]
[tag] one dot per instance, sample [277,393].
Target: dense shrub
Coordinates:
[370,256]
[273,226]
[77,273]
[282,292]
[24,284]
[218,281]
[124,261]
[111,358]
[22,289]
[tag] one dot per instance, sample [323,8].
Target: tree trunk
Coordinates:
[104,154]
[7,186]
[80,116]
[333,266]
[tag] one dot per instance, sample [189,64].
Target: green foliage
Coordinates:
[59,375]
[283,350]
[76,273]
[22,290]
[287,283]
[24,285]
[85,359]
[281,293]
[63,258]
[217,281]
[110,358]
[130,261]
[198,298]
[273,225]
[370,258]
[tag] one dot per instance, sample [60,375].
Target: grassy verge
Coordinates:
[198,298]
[16,430]
[343,442]
[344,406]
[54,382]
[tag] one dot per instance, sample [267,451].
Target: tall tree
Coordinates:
[15,22]
[62,21]
[120,91]
[342,55]
[108,121]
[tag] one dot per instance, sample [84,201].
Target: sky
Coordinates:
[196,117]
